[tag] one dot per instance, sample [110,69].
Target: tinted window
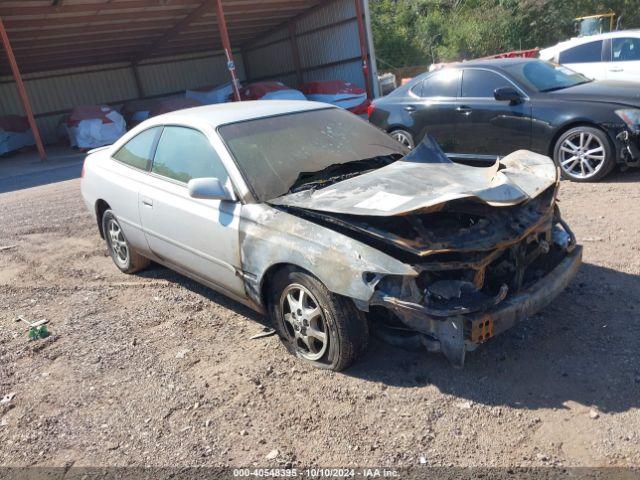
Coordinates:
[137,152]
[441,84]
[481,83]
[543,76]
[626,49]
[184,153]
[586,53]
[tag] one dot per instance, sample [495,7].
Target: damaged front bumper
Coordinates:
[454,336]
[630,148]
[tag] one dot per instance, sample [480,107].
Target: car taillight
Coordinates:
[370,109]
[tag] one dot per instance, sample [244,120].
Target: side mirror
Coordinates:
[209,189]
[507,94]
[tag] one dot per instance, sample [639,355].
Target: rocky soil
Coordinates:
[154,369]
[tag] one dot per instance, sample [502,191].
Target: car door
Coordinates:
[127,170]
[197,235]
[486,127]
[586,58]
[625,59]
[431,106]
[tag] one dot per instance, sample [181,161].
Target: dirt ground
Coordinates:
[153,369]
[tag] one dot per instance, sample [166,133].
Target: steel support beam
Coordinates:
[295,52]
[363,49]
[226,44]
[22,91]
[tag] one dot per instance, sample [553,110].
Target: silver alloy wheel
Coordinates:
[117,242]
[403,138]
[582,155]
[304,321]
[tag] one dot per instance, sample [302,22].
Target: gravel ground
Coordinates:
[154,369]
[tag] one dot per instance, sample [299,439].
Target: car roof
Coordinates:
[220,114]
[494,62]
[572,42]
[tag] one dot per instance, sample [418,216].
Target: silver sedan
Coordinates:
[314,217]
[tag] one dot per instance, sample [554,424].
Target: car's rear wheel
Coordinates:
[125,257]
[584,154]
[404,137]
[318,326]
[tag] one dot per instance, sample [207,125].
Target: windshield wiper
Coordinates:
[562,87]
[340,171]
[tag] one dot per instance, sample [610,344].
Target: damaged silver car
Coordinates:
[332,228]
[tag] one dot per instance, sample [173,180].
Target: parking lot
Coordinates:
[154,369]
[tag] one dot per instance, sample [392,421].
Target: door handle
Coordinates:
[463,109]
[147,201]
[616,69]
[410,108]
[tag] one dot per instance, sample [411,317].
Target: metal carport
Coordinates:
[70,52]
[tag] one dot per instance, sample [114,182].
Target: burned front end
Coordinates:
[480,269]
[488,245]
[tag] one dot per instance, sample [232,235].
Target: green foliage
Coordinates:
[38,332]
[420,32]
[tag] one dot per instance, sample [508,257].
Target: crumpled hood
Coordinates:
[427,178]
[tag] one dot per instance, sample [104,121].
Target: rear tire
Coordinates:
[584,154]
[125,257]
[404,137]
[323,329]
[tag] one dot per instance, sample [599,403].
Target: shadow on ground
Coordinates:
[584,347]
[39,178]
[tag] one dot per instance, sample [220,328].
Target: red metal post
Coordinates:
[22,91]
[226,44]
[363,48]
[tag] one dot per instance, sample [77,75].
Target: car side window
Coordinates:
[481,83]
[184,153]
[626,49]
[586,53]
[441,84]
[138,151]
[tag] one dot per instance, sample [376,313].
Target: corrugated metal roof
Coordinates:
[54,34]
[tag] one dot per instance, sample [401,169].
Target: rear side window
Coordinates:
[138,151]
[481,83]
[442,84]
[626,49]
[587,53]
[184,153]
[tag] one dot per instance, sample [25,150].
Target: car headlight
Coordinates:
[630,116]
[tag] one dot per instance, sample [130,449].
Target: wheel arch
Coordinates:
[573,124]
[271,272]
[101,207]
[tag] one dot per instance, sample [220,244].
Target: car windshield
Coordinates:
[545,76]
[280,153]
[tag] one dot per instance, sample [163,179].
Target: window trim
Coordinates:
[154,146]
[497,72]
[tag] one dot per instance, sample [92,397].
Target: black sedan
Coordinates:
[486,108]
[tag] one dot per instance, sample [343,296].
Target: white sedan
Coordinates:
[307,213]
[608,56]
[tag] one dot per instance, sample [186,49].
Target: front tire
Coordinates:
[125,257]
[323,329]
[584,154]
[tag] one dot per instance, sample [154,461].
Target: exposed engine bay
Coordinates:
[475,252]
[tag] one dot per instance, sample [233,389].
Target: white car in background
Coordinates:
[608,56]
